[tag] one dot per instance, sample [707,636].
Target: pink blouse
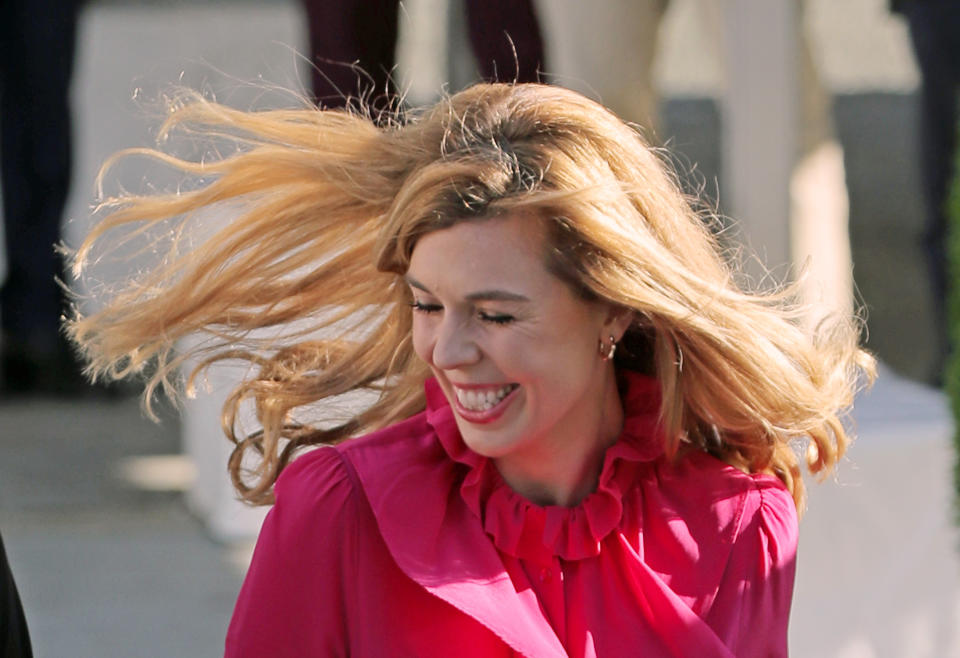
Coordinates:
[406,543]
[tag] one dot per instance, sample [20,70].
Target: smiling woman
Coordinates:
[515,350]
[584,436]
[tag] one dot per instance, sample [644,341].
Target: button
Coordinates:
[544,575]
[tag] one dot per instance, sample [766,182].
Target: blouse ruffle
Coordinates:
[528,531]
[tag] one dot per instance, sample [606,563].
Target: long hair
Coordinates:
[328,207]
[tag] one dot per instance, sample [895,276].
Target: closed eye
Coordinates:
[420,307]
[496,318]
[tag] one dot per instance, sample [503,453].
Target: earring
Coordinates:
[606,353]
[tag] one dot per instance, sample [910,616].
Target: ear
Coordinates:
[617,322]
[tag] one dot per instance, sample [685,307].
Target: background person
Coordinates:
[37,43]
[353,46]
[935,34]
[619,71]
[14,635]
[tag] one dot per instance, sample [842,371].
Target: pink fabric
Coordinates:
[406,543]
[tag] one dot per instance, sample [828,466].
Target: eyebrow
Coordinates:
[479,296]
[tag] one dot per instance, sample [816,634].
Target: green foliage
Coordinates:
[951,378]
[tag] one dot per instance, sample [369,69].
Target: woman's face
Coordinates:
[512,346]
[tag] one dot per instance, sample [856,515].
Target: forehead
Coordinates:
[504,248]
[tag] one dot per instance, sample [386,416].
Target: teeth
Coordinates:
[482,400]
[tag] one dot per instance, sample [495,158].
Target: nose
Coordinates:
[454,347]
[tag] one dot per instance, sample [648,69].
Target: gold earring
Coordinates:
[606,353]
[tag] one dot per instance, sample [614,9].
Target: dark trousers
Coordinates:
[36,61]
[504,34]
[935,33]
[14,639]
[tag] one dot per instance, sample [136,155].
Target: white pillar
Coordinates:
[605,51]
[212,497]
[423,49]
[761,122]
[138,51]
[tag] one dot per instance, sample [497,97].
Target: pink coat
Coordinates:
[406,543]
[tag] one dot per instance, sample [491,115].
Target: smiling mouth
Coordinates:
[483,400]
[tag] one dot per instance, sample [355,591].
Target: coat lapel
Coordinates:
[413,490]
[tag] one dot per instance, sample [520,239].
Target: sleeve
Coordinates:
[292,600]
[752,609]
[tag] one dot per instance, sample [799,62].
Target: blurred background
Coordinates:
[802,121]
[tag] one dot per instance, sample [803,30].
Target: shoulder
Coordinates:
[768,527]
[329,483]
[757,515]
[322,472]
[317,505]
[722,517]
[726,542]
[404,459]
[755,585]
[401,439]
[312,475]
[726,493]
[767,512]
[323,501]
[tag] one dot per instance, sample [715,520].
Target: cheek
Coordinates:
[422,339]
[565,362]
[534,360]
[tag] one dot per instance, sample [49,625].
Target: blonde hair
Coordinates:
[332,204]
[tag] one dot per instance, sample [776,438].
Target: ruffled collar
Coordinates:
[525,530]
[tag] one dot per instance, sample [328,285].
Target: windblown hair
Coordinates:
[328,207]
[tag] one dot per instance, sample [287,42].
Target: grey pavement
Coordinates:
[878,572]
[105,568]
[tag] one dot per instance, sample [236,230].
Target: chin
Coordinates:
[486,443]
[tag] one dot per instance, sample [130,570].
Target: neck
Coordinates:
[570,470]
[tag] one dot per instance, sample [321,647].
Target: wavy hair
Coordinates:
[327,207]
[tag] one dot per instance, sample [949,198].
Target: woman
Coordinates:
[581,435]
